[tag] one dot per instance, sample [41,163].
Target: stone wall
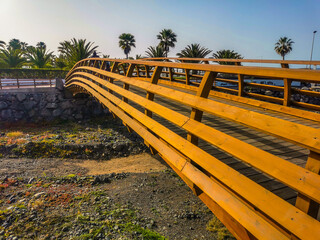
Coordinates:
[46,104]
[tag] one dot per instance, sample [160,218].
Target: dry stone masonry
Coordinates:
[46,104]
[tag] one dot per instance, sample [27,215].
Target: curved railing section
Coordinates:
[249,210]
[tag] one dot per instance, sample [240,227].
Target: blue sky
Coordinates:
[246,26]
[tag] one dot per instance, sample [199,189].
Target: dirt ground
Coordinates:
[164,207]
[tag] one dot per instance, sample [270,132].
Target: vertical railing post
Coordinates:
[138,71]
[286,87]
[154,80]
[287,92]
[203,92]
[240,85]
[147,71]
[113,70]
[129,74]
[18,83]
[0,83]
[170,74]
[187,72]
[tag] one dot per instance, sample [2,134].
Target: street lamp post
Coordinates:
[314,33]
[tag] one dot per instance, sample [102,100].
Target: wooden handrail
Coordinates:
[283,62]
[228,193]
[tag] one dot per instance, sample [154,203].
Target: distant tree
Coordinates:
[283,46]
[12,58]
[194,51]
[76,50]
[15,44]
[60,62]
[24,46]
[228,54]
[138,56]
[38,56]
[167,39]
[105,56]
[126,42]
[41,45]
[154,52]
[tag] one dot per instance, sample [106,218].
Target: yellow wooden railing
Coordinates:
[248,210]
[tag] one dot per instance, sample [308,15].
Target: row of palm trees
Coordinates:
[16,54]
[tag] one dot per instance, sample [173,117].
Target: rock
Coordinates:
[21,97]
[6,114]
[51,98]
[57,112]
[29,105]
[66,104]
[45,113]
[78,116]
[3,105]
[268,93]
[52,105]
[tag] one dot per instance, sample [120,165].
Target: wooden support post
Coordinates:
[147,71]
[187,71]
[287,88]
[138,71]
[203,91]
[240,85]
[170,74]
[34,83]
[237,63]
[0,83]
[50,82]
[113,70]
[154,80]
[304,203]
[287,92]
[18,83]
[129,74]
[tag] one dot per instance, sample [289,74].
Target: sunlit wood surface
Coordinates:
[252,159]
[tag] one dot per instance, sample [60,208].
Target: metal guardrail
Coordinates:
[26,83]
[248,210]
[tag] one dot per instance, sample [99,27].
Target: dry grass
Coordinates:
[15,134]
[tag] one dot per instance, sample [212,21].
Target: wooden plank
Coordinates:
[263,230]
[299,134]
[154,80]
[260,159]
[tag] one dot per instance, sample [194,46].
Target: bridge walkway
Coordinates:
[255,164]
[273,145]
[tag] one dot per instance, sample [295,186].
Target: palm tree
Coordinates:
[194,51]
[41,45]
[60,62]
[154,52]
[12,58]
[39,56]
[76,50]
[15,43]
[126,42]
[138,56]
[2,44]
[283,46]
[167,39]
[228,54]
